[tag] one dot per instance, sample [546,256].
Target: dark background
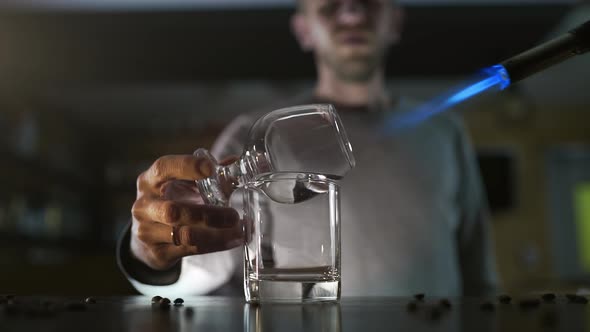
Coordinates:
[45,48]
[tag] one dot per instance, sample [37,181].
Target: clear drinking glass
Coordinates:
[292,251]
[307,139]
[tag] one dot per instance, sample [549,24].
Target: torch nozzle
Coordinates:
[572,43]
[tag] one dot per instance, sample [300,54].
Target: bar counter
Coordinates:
[139,314]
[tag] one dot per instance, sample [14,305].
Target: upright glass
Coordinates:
[307,139]
[292,252]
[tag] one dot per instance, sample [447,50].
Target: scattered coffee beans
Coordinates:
[572,298]
[156,299]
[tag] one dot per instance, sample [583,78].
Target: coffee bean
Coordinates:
[419,297]
[577,299]
[412,306]
[163,305]
[156,299]
[446,304]
[189,312]
[75,306]
[178,301]
[90,300]
[529,303]
[165,301]
[548,297]
[487,306]
[505,299]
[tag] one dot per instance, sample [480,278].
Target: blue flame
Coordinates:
[492,77]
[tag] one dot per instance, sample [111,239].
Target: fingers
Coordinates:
[151,242]
[175,212]
[209,239]
[181,190]
[164,256]
[152,233]
[206,237]
[177,167]
[166,200]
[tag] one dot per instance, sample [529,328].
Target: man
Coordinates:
[413,210]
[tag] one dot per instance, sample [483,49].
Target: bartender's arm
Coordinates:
[167,198]
[201,265]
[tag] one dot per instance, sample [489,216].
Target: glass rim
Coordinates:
[290,176]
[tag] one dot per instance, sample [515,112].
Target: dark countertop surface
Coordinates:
[138,314]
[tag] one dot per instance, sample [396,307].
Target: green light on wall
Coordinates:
[582,211]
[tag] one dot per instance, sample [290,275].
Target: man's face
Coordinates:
[349,36]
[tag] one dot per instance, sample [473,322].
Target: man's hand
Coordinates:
[167,200]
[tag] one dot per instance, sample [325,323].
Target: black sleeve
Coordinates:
[134,269]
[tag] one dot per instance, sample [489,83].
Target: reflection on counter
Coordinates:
[293,317]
